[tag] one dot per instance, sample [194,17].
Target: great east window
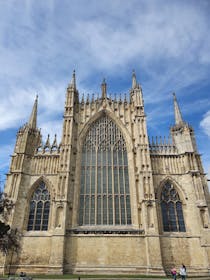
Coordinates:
[171,206]
[104,192]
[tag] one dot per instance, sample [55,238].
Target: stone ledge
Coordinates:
[104,231]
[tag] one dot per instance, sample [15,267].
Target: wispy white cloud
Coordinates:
[41,42]
[16,107]
[51,128]
[205,123]
[5,152]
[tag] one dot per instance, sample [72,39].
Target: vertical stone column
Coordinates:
[65,181]
[146,192]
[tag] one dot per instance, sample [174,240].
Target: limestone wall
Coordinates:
[35,254]
[109,255]
[177,250]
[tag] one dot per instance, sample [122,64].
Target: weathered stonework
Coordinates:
[140,248]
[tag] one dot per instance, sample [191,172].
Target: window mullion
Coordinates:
[119,191]
[113,193]
[35,213]
[96,183]
[123,169]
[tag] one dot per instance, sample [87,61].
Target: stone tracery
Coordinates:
[104,194]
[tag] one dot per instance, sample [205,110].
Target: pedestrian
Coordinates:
[173,273]
[183,272]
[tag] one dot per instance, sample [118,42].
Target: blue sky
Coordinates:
[166,42]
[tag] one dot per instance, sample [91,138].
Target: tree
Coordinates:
[9,237]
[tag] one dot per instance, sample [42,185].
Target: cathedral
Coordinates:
[107,199]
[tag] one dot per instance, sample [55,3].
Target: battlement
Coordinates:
[48,148]
[159,145]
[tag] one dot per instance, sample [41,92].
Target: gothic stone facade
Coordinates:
[108,200]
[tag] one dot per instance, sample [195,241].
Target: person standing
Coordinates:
[183,272]
[173,273]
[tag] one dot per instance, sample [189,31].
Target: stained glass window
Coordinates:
[171,206]
[104,191]
[39,209]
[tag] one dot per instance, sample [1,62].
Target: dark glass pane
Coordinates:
[93,180]
[165,216]
[180,217]
[30,227]
[117,211]
[47,205]
[128,210]
[93,158]
[126,181]
[92,213]
[115,180]
[42,186]
[109,158]
[125,158]
[99,210]
[39,206]
[45,217]
[81,211]
[172,217]
[99,158]
[120,158]
[37,226]
[83,158]
[82,189]
[87,209]
[109,180]
[105,210]
[115,157]
[32,206]
[110,205]
[121,180]
[88,181]
[45,227]
[122,206]
[104,180]
[88,158]
[31,219]
[99,181]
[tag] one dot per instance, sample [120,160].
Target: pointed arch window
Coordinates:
[104,191]
[39,209]
[171,207]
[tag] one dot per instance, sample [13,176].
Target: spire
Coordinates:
[103,89]
[177,112]
[33,117]
[125,98]
[40,144]
[54,144]
[83,101]
[93,98]
[47,144]
[134,82]
[73,80]
[88,99]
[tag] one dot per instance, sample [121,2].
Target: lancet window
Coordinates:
[39,209]
[104,193]
[171,206]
